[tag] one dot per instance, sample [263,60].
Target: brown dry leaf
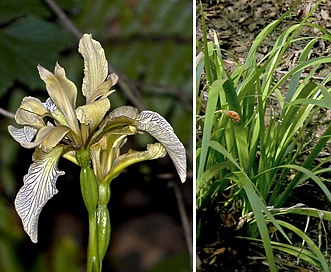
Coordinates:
[325,15]
[219,251]
[306,10]
[212,261]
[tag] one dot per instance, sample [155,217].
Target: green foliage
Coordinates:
[256,156]
[28,39]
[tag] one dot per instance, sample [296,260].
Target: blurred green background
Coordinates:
[149,45]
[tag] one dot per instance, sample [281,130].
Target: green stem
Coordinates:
[90,193]
[93,262]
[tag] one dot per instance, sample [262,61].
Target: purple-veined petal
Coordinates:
[160,129]
[24,135]
[154,124]
[39,186]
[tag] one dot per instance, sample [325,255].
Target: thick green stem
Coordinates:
[93,261]
[90,193]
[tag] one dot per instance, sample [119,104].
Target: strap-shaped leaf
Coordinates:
[39,187]
[160,129]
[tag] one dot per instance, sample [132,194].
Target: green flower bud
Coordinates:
[88,181]
[103,224]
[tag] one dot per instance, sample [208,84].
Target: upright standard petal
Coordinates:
[160,129]
[92,114]
[62,92]
[95,65]
[39,186]
[104,89]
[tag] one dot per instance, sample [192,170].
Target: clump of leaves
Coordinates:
[255,155]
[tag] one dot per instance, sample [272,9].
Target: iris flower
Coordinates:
[58,128]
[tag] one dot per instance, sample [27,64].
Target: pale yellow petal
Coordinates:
[104,89]
[53,137]
[92,114]
[154,151]
[95,65]
[62,92]
[120,116]
[31,112]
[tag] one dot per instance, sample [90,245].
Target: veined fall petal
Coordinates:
[154,124]
[161,130]
[95,65]
[23,135]
[39,186]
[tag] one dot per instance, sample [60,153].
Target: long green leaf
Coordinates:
[310,243]
[210,109]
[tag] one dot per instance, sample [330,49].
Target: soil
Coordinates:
[236,24]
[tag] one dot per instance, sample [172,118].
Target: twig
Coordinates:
[184,218]
[7,113]
[135,99]
[64,19]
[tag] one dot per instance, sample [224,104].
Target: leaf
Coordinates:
[39,187]
[161,130]
[95,65]
[25,43]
